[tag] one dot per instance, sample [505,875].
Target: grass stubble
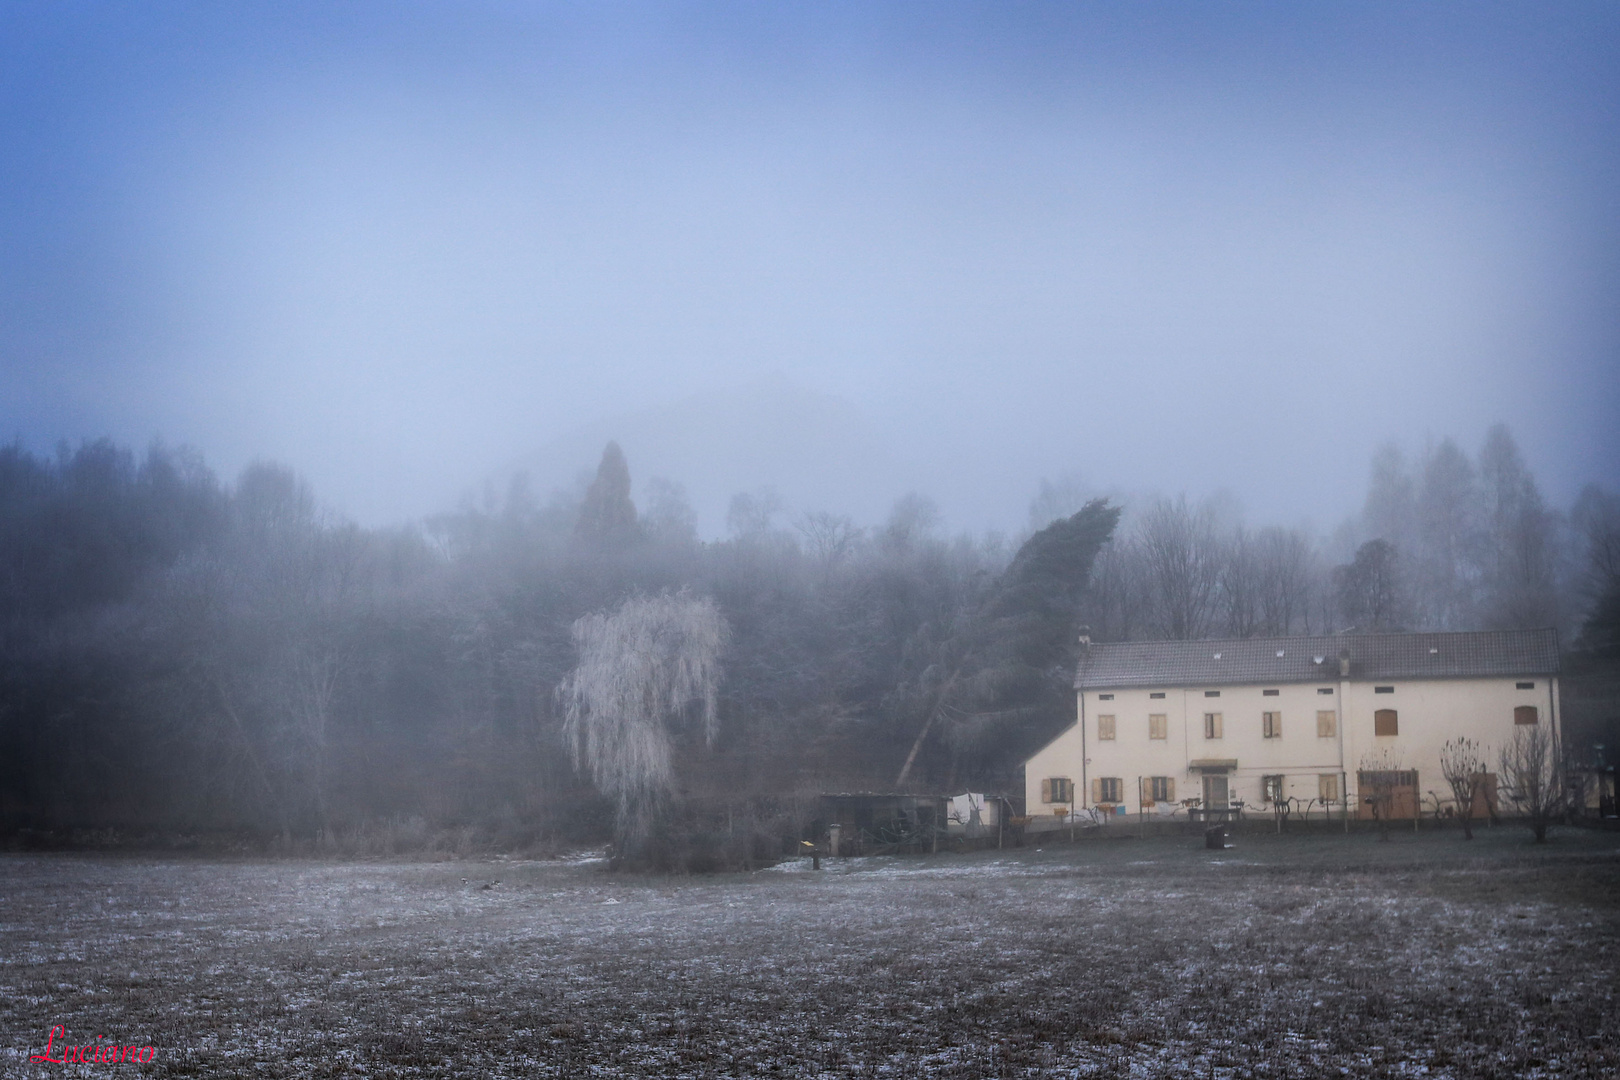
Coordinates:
[1284,956]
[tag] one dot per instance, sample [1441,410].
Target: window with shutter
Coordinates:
[1212,725]
[1385,722]
[1327,723]
[1271,788]
[1105,726]
[1524,714]
[1111,788]
[1156,726]
[1271,725]
[1327,787]
[1161,788]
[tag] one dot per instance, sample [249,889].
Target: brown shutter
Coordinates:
[1146,792]
[1386,722]
[1096,790]
[1046,791]
[1524,714]
[1172,781]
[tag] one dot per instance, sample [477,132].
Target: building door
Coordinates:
[1390,794]
[1215,791]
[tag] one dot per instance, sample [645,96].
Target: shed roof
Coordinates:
[1474,654]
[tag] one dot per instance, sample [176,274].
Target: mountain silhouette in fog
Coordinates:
[816,451]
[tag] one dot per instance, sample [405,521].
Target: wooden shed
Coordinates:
[870,823]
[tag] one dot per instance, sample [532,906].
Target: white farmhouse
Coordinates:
[1313,719]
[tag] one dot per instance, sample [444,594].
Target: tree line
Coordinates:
[1444,542]
[182,656]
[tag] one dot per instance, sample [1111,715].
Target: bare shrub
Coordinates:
[1462,763]
[1533,775]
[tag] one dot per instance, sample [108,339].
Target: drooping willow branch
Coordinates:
[640,668]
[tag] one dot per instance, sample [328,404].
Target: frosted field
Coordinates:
[1290,957]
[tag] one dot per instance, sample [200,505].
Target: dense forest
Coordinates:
[186,658]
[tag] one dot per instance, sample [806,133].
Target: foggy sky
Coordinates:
[844,251]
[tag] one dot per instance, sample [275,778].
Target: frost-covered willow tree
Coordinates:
[642,668]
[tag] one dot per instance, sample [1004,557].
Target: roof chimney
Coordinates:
[1344,663]
[1085,640]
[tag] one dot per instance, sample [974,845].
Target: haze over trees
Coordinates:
[181,656]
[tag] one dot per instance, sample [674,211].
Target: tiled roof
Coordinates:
[1489,653]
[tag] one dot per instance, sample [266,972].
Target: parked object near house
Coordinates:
[1207,726]
[1594,791]
[974,815]
[870,823]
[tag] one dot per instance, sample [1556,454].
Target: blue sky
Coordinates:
[1168,247]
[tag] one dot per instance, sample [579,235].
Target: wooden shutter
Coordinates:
[1386,722]
[1146,794]
[1171,781]
[1524,714]
[1046,791]
[1096,790]
[1325,723]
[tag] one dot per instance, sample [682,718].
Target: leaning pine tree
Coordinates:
[641,669]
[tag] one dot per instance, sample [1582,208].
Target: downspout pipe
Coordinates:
[1085,788]
[1080,693]
[1342,707]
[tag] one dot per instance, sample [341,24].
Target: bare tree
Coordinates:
[1451,539]
[641,669]
[1596,517]
[912,519]
[669,517]
[1181,568]
[1285,583]
[1462,763]
[751,515]
[1114,602]
[1390,510]
[1519,567]
[1533,775]
[831,539]
[1241,585]
[1369,590]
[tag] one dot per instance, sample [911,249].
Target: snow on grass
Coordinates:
[1308,956]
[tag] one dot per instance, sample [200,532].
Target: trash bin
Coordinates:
[1215,838]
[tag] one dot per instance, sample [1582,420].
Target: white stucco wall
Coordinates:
[1430,712]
